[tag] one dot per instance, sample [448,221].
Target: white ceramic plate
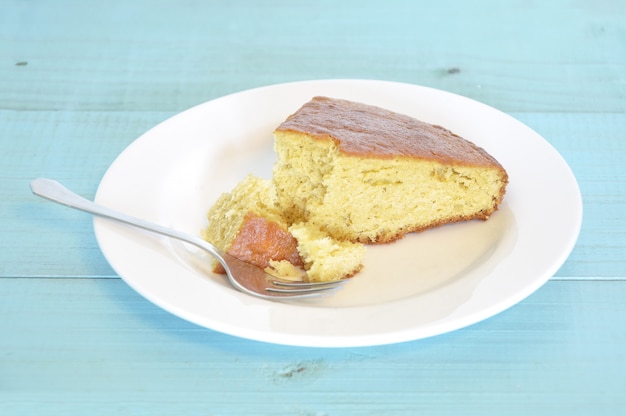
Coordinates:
[426,284]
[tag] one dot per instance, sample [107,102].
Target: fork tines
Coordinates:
[282,286]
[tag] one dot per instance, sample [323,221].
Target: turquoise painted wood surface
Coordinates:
[104,349]
[79,81]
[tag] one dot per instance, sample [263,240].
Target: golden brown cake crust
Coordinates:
[260,240]
[369,131]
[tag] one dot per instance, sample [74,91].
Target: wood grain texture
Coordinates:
[105,350]
[79,81]
[164,55]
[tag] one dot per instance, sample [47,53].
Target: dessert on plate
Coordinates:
[349,174]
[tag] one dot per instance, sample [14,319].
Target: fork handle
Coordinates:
[56,192]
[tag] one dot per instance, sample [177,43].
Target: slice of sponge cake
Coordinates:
[362,173]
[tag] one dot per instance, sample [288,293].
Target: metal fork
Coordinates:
[244,276]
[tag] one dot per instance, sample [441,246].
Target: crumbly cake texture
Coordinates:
[326,258]
[365,174]
[245,224]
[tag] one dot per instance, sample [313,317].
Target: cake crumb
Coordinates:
[285,270]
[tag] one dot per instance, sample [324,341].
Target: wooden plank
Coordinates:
[548,56]
[81,346]
[78,147]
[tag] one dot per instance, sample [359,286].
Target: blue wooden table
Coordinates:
[80,80]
